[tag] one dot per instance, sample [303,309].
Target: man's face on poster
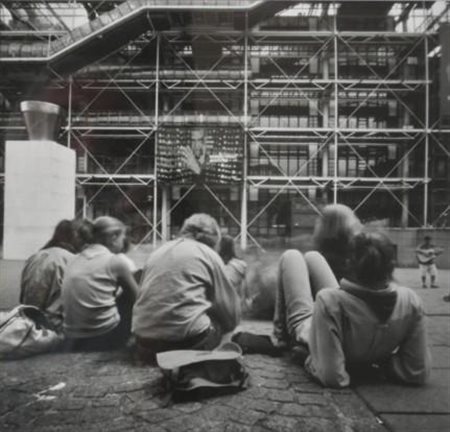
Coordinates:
[198,142]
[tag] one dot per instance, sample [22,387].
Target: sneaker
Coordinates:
[299,354]
[424,287]
[434,286]
[446,298]
[257,344]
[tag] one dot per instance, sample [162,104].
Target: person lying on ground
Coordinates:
[43,272]
[185,299]
[370,320]
[99,290]
[366,323]
[334,230]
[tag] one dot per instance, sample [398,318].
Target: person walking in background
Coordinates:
[426,254]
[43,273]
[99,290]
[185,299]
[369,320]
[235,268]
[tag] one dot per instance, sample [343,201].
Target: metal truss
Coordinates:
[314,81]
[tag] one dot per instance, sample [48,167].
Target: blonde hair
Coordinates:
[203,228]
[336,222]
[106,226]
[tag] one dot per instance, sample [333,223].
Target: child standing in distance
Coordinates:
[369,320]
[426,254]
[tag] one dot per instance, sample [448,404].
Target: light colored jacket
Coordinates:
[183,286]
[42,279]
[345,332]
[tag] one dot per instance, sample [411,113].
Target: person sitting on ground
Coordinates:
[99,291]
[235,268]
[185,299]
[370,320]
[333,234]
[426,256]
[43,273]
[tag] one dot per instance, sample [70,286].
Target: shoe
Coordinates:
[257,344]
[424,287]
[434,286]
[446,298]
[299,354]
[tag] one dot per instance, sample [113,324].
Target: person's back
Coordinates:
[43,272]
[89,291]
[366,336]
[185,297]
[369,320]
[99,290]
[173,294]
[41,281]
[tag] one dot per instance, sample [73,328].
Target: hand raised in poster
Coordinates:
[189,160]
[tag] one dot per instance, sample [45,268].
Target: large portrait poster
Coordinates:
[210,154]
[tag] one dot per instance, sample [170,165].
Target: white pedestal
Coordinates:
[39,192]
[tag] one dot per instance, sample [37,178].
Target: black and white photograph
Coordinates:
[224,215]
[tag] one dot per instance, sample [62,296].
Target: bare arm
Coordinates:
[122,271]
[226,307]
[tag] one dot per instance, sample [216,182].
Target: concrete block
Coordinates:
[39,192]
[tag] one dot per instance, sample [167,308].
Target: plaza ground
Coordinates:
[110,392]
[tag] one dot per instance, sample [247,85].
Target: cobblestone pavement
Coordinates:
[109,392]
[105,392]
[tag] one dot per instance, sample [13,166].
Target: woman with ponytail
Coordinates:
[365,320]
[99,290]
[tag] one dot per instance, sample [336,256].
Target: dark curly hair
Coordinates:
[372,258]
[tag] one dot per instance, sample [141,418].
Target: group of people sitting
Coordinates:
[339,304]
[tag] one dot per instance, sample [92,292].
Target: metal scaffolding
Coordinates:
[326,109]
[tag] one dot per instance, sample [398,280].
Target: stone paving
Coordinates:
[110,392]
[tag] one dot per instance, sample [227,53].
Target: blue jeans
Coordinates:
[300,277]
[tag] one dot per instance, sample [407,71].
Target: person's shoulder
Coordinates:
[120,264]
[330,297]
[125,260]
[408,297]
[202,251]
[55,254]
[406,292]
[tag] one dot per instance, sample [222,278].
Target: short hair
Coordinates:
[203,228]
[427,237]
[372,258]
[226,248]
